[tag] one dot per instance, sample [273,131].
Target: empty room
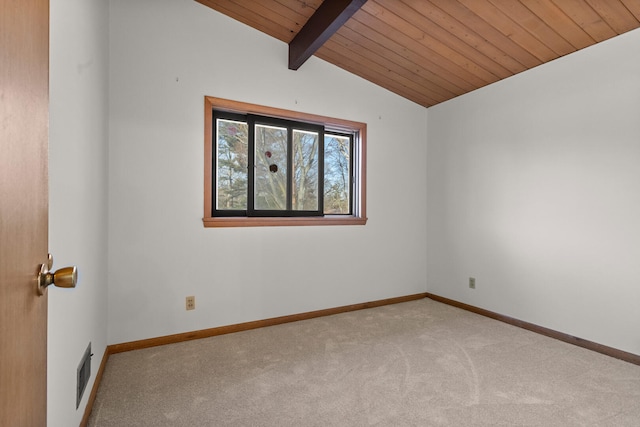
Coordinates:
[394,212]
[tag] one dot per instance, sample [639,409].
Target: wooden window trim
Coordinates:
[360,205]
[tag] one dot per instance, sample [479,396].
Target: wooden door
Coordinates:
[24,111]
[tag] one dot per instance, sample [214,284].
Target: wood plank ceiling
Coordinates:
[430,51]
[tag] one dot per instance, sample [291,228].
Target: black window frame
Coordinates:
[255,119]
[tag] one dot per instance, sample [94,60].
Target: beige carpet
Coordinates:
[420,363]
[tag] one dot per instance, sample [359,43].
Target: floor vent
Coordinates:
[84,373]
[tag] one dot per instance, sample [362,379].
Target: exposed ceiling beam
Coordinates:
[326,20]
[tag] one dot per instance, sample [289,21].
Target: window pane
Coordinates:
[305,170]
[337,173]
[232,163]
[271,168]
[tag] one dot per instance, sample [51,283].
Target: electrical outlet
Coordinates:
[191,303]
[472,282]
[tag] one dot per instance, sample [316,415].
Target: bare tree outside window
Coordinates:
[337,173]
[305,175]
[271,167]
[232,149]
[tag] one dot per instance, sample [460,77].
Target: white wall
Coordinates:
[534,189]
[165,56]
[78,197]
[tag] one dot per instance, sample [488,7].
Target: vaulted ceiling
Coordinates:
[429,51]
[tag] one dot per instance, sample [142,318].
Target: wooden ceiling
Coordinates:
[429,51]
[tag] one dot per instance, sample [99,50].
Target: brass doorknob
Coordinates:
[63,278]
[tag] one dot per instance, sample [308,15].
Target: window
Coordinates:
[266,166]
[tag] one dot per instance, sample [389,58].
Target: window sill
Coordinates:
[212,222]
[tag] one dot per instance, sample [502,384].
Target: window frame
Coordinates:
[358,216]
[253,121]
